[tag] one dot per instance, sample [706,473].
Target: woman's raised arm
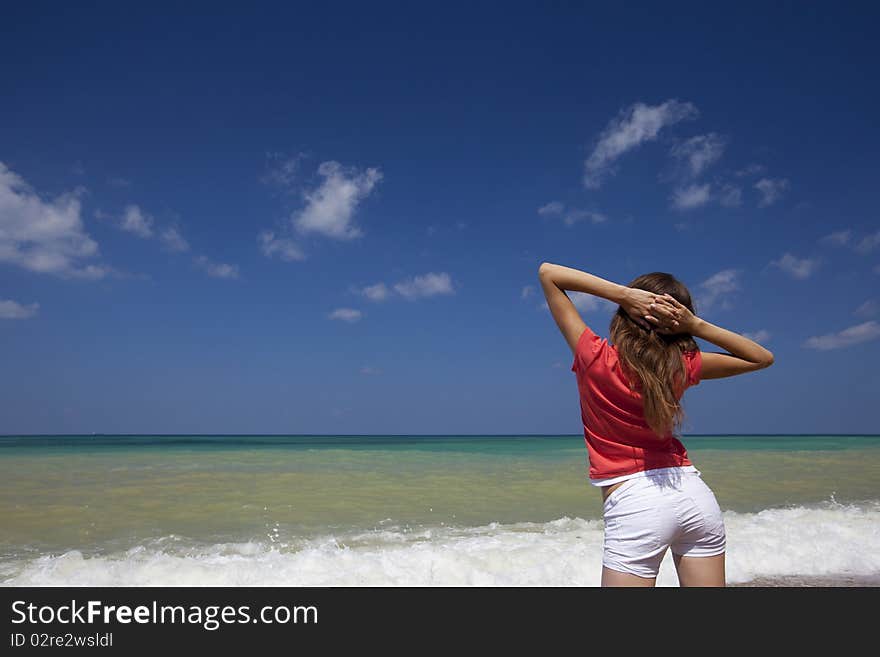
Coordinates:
[745,355]
[557,278]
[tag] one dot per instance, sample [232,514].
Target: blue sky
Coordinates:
[329,219]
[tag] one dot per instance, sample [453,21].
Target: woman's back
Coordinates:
[618,438]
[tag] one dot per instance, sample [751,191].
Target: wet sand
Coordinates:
[836,581]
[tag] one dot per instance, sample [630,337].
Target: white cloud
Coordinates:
[349,315]
[134,220]
[13,310]
[633,126]
[45,236]
[377,292]
[845,237]
[717,286]
[370,371]
[731,196]
[771,190]
[550,209]
[216,269]
[700,152]
[868,243]
[272,245]
[751,170]
[760,335]
[173,240]
[570,216]
[838,238]
[799,268]
[527,291]
[846,338]
[429,285]
[574,216]
[119,181]
[868,309]
[585,303]
[282,170]
[91,272]
[418,287]
[331,206]
[139,222]
[692,196]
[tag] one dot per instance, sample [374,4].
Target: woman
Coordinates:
[653,497]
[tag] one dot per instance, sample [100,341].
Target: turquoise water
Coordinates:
[86,506]
[541,443]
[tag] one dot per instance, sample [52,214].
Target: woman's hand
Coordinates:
[645,308]
[669,316]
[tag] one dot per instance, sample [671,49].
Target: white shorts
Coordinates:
[647,515]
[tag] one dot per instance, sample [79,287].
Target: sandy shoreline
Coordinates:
[836,581]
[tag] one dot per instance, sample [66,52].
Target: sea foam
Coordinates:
[829,540]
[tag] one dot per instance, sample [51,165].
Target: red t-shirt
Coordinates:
[619,441]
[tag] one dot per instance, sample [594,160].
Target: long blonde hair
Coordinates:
[654,360]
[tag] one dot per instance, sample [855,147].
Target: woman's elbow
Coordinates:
[544,270]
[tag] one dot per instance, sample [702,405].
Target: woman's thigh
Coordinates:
[612,577]
[700,571]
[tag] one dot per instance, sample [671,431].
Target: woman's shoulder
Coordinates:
[588,348]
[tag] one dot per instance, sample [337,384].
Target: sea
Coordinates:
[200,510]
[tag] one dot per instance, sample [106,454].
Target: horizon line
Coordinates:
[399,435]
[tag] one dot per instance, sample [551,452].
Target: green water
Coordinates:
[110,492]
